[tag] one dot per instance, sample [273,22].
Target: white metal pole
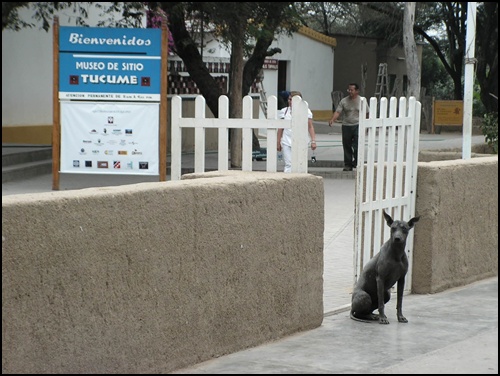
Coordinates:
[470,41]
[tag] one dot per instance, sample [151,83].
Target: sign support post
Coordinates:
[56,126]
[163,102]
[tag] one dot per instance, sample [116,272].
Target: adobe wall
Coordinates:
[152,277]
[456,239]
[438,155]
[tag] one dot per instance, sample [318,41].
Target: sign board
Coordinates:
[270,64]
[447,113]
[116,64]
[109,138]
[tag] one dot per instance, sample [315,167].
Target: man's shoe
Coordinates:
[347,169]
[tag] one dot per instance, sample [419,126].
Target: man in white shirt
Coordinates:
[285,135]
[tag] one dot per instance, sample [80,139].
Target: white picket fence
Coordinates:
[387,158]
[386,176]
[223,123]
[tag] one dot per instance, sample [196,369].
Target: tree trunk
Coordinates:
[241,80]
[410,47]
[188,51]
[487,55]
[236,95]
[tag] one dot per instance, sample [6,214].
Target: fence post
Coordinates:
[176,136]
[300,140]
[199,135]
[272,135]
[223,134]
[247,135]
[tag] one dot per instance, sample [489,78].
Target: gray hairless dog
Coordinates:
[372,290]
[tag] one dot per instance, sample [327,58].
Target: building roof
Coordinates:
[304,30]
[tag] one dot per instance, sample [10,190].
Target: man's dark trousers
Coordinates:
[350,135]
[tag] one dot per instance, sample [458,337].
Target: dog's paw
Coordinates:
[364,318]
[402,319]
[383,320]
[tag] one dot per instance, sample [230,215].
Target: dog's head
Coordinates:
[400,229]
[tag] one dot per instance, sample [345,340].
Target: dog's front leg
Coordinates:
[399,304]
[382,318]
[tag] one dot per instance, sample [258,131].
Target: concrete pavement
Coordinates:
[455,331]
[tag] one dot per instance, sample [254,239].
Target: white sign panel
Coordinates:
[110,138]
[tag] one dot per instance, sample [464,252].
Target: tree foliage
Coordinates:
[329,18]
[434,77]
[487,55]
[441,25]
[112,14]
[10,16]
[489,128]
[249,28]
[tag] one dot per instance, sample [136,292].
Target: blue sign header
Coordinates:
[110,40]
[110,64]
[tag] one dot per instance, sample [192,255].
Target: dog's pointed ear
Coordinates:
[412,221]
[388,218]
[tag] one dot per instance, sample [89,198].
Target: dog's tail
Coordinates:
[365,318]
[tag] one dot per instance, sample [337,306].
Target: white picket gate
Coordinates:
[223,123]
[386,176]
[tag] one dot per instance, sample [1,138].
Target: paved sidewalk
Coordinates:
[455,331]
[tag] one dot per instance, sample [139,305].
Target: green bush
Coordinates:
[489,128]
[478,108]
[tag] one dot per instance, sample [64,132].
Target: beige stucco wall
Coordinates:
[152,277]
[439,155]
[456,239]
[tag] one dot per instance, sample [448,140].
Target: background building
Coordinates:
[315,64]
[357,59]
[305,64]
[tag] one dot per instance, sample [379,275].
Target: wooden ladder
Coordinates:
[382,86]
[263,97]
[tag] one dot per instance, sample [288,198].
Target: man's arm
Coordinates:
[334,118]
[312,133]
[280,134]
